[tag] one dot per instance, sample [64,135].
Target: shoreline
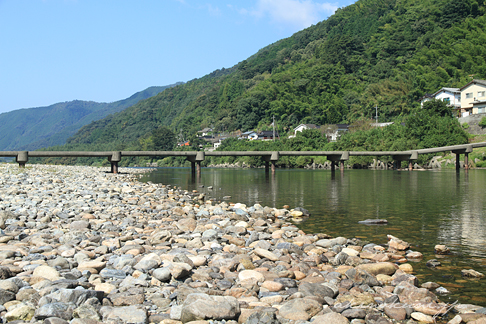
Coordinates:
[98,246]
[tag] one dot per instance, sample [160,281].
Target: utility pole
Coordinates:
[273,127]
[376,108]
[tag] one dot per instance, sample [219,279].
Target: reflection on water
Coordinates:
[423,208]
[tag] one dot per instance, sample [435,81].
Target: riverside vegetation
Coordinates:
[432,126]
[82,246]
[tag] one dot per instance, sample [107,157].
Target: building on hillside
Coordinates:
[473,98]
[382,124]
[452,96]
[334,131]
[267,135]
[250,135]
[205,132]
[302,127]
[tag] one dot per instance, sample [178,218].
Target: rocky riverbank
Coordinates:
[80,245]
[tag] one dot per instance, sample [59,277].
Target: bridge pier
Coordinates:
[410,158]
[114,159]
[22,158]
[271,161]
[338,158]
[333,166]
[196,162]
[468,149]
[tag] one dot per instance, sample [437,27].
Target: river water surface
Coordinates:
[423,208]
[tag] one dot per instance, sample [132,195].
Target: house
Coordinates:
[301,127]
[452,96]
[250,135]
[333,131]
[186,143]
[205,131]
[473,98]
[382,124]
[267,135]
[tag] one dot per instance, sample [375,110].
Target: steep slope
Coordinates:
[383,53]
[30,129]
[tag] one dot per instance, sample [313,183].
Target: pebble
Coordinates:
[80,245]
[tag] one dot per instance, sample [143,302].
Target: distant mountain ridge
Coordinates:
[34,128]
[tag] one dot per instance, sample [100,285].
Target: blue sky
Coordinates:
[106,50]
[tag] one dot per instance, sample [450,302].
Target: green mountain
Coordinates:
[33,128]
[384,53]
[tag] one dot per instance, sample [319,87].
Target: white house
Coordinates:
[451,96]
[333,131]
[250,135]
[302,127]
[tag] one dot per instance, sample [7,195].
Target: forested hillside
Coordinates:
[383,53]
[33,128]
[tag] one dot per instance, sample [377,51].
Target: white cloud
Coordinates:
[298,13]
[214,11]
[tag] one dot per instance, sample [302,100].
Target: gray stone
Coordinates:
[61,310]
[210,235]
[75,296]
[134,296]
[86,311]
[316,289]
[61,262]
[396,311]
[122,261]
[176,312]
[264,317]
[113,274]
[162,274]
[362,277]
[354,313]
[55,320]
[6,296]
[330,318]
[130,281]
[125,314]
[5,273]
[162,303]
[79,225]
[20,312]
[300,309]
[201,307]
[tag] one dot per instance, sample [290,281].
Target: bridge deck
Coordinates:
[270,156]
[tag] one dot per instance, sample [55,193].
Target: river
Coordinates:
[424,208]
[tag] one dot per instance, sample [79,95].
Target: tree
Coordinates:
[438,107]
[163,139]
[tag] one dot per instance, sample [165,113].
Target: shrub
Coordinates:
[482,123]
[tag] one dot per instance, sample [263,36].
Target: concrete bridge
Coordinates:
[270,157]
